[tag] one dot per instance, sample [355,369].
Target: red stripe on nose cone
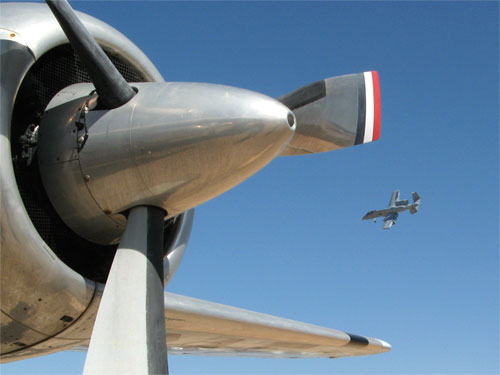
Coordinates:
[376,106]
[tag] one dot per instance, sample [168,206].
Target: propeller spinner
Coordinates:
[146,153]
[117,160]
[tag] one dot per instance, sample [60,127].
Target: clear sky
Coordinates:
[290,241]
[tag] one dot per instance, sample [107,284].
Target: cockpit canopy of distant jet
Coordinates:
[102,164]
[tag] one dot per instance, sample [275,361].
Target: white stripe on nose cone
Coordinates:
[370,110]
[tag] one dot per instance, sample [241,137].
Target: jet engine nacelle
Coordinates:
[402,203]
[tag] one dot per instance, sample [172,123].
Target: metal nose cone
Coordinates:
[181,144]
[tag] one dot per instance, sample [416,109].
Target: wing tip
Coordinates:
[374,345]
[385,344]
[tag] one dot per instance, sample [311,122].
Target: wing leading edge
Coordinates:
[199,327]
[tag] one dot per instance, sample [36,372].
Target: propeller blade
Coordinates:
[334,113]
[112,88]
[129,332]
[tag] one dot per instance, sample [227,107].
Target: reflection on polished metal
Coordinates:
[30,273]
[171,147]
[334,113]
[174,145]
[28,32]
[129,331]
[41,32]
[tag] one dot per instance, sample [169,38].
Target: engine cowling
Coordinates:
[46,65]
[174,145]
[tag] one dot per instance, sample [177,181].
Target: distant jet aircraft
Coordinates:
[392,211]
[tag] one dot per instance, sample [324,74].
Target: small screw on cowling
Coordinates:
[86,177]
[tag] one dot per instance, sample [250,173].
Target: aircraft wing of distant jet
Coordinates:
[391,213]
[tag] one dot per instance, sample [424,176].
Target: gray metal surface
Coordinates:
[75,335]
[45,305]
[129,332]
[197,327]
[39,30]
[174,145]
[28,314]
[205,328]
[177,244]
[394,198]
[61,170]
[327,114]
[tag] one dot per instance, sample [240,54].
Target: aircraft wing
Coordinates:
[394,198]
[374,214]
[390,219]
[205,328]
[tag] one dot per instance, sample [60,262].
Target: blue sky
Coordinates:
[290,240]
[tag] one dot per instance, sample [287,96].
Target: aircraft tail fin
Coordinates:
[416,203]
[416,198]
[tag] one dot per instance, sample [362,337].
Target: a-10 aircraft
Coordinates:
[102,163]
[392,211]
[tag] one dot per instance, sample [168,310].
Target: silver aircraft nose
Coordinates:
[173,145]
